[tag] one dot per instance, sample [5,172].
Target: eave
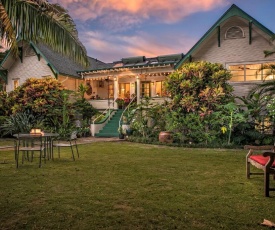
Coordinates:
[124,68]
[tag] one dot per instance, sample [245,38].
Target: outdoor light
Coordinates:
[35,131]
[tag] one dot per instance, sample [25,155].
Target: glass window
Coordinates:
[237,72]
[252,72]
[268,71]
[124,90]
[15,83]
[145,89]
[111,90]
[160,89]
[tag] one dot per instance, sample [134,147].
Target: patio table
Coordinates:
[47,140]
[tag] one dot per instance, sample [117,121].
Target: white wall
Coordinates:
[31,67]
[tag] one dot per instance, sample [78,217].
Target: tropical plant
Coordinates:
[21,122]
[197,90]
[254,128]
[37,95]
[120,102]
[199,87]
[40,21]
[148,119]
[270,52]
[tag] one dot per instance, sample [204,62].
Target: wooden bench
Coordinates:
[262,157]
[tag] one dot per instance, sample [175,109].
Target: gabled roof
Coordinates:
[63,64]
[60,64]
[231,12]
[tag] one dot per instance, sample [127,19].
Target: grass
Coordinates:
[120,185]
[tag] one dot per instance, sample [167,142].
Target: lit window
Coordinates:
[15,83]
[252,72]
[160,90]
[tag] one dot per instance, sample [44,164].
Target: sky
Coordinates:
[115,29]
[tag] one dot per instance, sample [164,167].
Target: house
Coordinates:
[134,76]
[38,61]
[236,40]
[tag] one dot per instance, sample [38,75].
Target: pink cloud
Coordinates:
[112,48]
[165,11]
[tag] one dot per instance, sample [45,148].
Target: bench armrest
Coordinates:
[269,154]
[254,148]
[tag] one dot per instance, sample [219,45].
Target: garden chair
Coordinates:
[29,143]
[264,161]
[68,142]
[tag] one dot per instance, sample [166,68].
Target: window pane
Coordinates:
[15,83]
[269,71]
[124,90]
[237,72]
[253,72]
[145,89]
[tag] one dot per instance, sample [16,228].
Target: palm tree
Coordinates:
[40,21]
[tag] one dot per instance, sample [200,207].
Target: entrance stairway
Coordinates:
[111,128]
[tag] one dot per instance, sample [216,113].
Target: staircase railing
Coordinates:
[127,108]
[106,111]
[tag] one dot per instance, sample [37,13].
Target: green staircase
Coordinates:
[111,128]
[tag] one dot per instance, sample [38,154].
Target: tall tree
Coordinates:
[40,21]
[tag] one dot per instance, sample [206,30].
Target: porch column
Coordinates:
[115,91]
[138,89]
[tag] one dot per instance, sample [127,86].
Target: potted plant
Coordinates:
[120,103]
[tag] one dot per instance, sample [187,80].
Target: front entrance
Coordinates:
[124,90]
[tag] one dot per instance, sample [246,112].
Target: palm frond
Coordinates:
[40,21]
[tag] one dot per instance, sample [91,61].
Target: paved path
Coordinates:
[84,140]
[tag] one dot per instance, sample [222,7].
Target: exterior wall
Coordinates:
[32,67]
[235,50]
[27,69]
[69,82]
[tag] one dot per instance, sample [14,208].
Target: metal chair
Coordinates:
[29,143]
[69,142]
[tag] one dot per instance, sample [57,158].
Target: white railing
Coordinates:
[95,128]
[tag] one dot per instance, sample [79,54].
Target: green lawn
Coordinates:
[120,185]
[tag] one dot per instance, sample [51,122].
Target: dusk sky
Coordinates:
[115,29]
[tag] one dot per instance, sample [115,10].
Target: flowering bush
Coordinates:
[37,95]
[120,101]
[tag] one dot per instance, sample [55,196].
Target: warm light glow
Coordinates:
[36,131]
